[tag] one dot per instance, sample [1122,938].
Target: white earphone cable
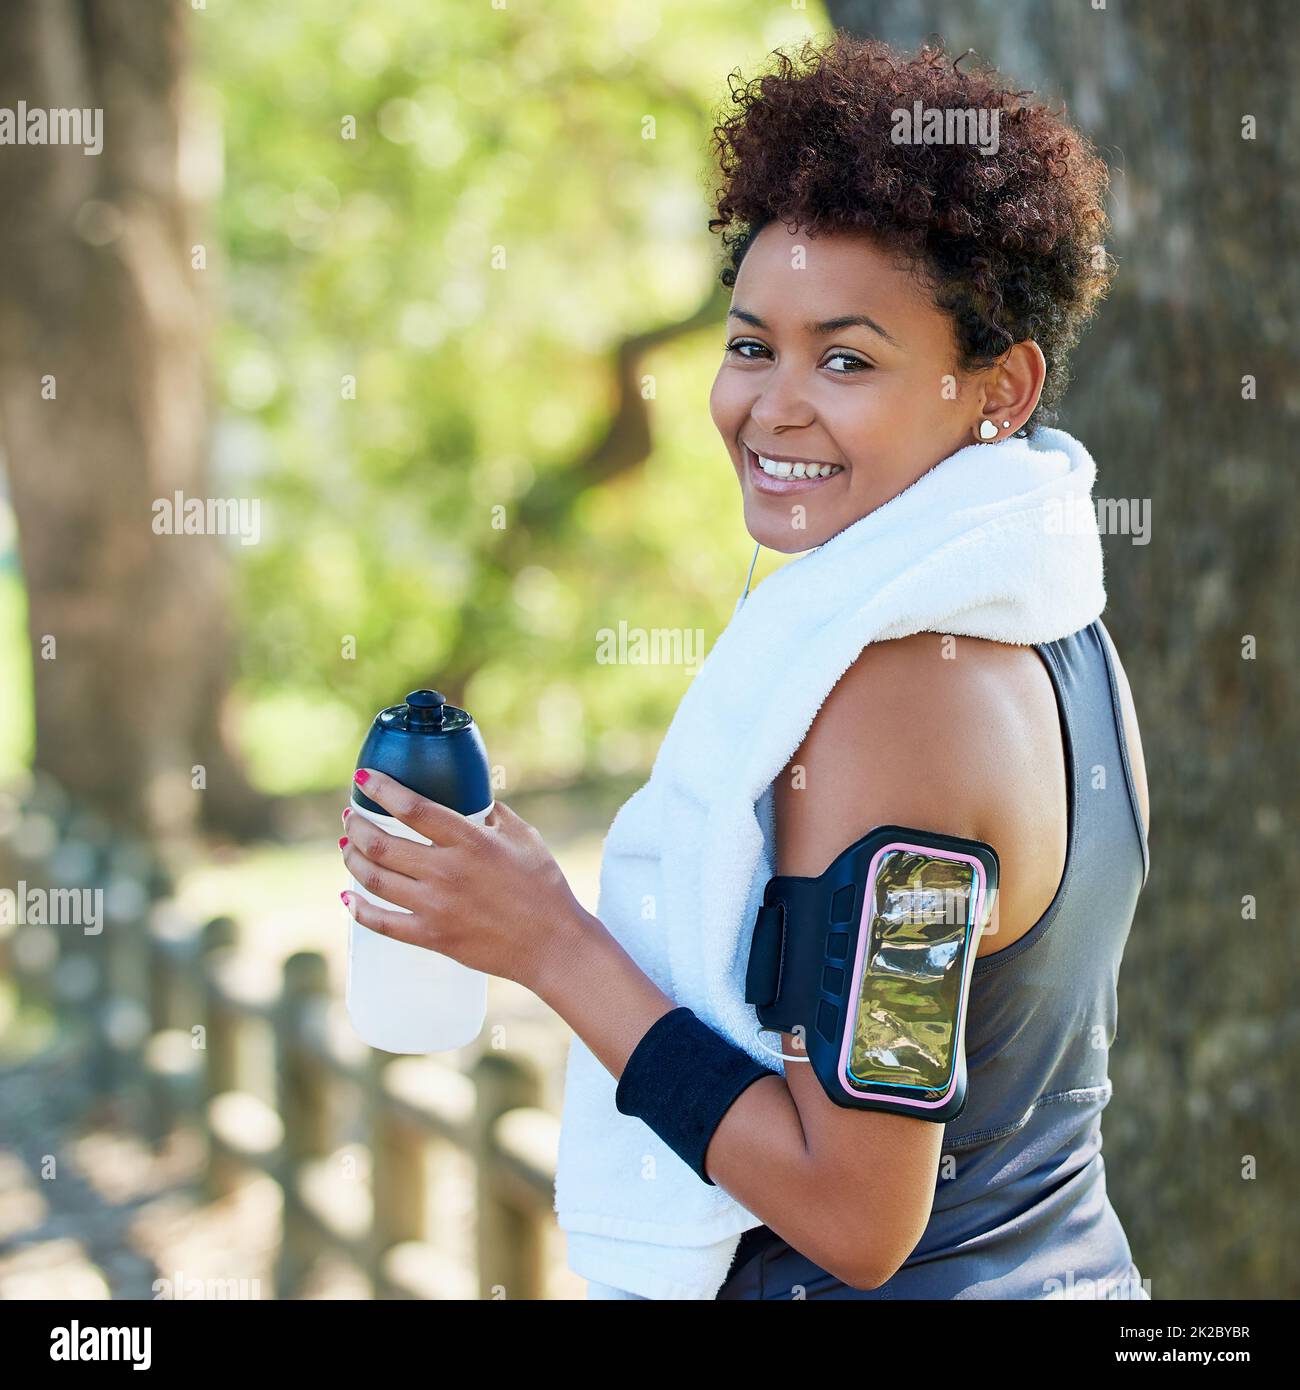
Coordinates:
[750,575]
[784,1056]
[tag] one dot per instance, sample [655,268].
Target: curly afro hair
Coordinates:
[1008,243]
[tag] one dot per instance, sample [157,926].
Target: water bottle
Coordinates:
[405,998]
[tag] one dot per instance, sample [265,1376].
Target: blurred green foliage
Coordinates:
[17,727]
[472,258]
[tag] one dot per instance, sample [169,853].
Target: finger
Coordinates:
[503,817]
[501,813]
[407,857]
[438,823]
[385,923]
[382,883]
[515,826]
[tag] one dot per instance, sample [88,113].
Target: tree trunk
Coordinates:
[1206,295]
[103,409]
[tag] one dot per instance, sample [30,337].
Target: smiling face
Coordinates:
[836,357]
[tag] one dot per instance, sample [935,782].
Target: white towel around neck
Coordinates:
[997,541]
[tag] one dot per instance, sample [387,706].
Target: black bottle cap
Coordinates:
[424,709]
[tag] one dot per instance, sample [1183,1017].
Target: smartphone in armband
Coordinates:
[870,964]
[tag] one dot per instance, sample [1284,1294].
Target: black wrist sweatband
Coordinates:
[681,1079]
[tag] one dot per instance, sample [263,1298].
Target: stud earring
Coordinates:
[988,430]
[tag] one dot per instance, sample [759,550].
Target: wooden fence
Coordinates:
[176,1017]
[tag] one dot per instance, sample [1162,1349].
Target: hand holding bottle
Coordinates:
[488,895]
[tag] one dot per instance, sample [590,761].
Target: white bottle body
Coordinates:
[404,998]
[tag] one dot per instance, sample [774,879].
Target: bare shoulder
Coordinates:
[926,730]
[953,734]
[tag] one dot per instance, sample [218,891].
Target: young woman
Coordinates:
[902,312]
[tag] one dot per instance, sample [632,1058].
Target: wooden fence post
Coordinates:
[303,1083]
[33,948]
[509,1237]
[126,1023]
[175,1069]
[398,1176]
[82,980]
[220,1044]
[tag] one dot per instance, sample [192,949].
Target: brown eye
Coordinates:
[856,364]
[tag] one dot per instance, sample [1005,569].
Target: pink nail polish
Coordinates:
[361,776]
[346,900]
[347,811]
[343,841]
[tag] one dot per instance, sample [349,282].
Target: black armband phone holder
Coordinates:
[869,966]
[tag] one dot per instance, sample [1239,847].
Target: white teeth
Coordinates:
[798,470]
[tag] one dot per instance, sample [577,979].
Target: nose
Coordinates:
[781,404]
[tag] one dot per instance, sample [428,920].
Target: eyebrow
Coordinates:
[826,325]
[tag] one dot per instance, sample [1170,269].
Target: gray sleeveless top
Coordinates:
[1020,1207]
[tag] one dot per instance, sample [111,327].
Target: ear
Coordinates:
[1010,390]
